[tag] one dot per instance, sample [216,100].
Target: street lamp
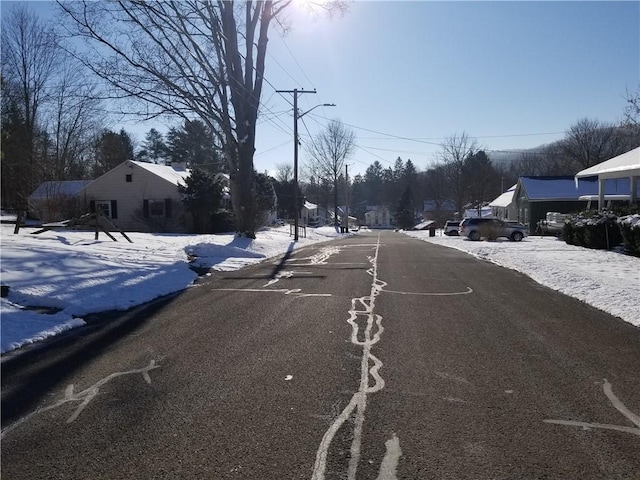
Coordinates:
[295,157]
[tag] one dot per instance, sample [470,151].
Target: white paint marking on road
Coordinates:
[295,291]
[288,377]
[587,426]
[390,461]
[370,367]
[442,294]
[277,278]
[324,254]
[617,404]
[85,396]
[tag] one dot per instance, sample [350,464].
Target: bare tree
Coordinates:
[328,152]
[49,118]
[30,55]
[632,108]
[589,142]
[72,119]
[190,58]
[284,172]
[455,150]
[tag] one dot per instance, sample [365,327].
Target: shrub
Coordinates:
[593,229]
[630,230]
[567,233]
[489,231]
[223,221]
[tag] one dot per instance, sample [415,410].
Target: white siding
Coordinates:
[129,196]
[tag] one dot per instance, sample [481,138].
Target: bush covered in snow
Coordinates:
[605,229]
[593,229]
[630,230]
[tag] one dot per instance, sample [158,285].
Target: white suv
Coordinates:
[475,228]
[451,227]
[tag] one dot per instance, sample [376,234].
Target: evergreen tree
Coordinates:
[398,169]
[265,197]
[373,183]
[405,217]
[357,198]
[285,193]
[410,179]
[16,146]
[194,144]
[481,179]
[111,150]
[201,196]
[154,146]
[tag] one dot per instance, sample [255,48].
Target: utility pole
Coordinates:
[295,92]
[346,194]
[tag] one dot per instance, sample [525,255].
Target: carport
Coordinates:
[626,165]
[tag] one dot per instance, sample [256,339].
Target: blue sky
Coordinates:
[514,75]
[501,71]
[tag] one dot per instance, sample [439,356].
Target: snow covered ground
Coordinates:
[58,277]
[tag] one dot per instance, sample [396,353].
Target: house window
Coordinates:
[129,178]
[108,208]
[157,208]
[104,207]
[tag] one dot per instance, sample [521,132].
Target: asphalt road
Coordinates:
[375,357]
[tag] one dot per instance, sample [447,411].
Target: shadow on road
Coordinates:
[31,374]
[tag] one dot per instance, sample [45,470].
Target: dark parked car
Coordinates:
[476,228]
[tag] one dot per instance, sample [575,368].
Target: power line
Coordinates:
[385,134]
[272,148]
[399,151]
[373,155]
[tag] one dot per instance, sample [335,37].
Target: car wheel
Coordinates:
[517,236]
[474,236]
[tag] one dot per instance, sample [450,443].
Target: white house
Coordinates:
[139,196]
[505,205]
[379,217]
[309,215]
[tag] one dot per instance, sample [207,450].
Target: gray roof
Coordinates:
[444,205]
[67,188]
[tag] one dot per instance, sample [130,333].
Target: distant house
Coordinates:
[504,206]
[54,201]
[139,196]
[379,217]
[485,211]
[535,196]
[309,215]
[342,214]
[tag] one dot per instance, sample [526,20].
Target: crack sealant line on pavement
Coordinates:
[362,306]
